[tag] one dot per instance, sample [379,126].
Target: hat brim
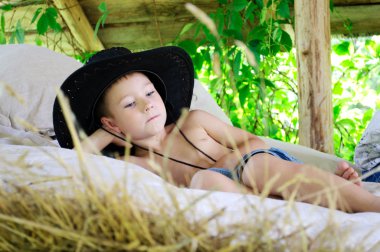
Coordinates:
[85,86]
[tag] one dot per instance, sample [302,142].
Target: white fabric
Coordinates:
[33,73]
[151,193]
[367,153]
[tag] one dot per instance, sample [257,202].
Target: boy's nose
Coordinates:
[148,106]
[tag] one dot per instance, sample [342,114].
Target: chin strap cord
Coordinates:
[170,158]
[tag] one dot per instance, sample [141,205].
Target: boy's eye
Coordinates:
[129,105]
[150,93]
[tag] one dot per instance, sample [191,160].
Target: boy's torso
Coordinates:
[177,147]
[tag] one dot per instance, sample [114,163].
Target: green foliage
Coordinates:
[266,86]
[262,96]
[356,78]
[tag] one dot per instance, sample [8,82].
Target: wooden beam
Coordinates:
[364,18]
[354,2]
[78,24]
[312,27]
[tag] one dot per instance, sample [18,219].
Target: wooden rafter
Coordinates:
[78,24]
[312,27]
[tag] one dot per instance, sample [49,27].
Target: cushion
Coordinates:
[367,152]
[30,75]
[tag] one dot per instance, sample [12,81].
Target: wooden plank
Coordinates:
[355,2]
[122,11]
[78,24]
[131,36]
[312,27]
[365,19]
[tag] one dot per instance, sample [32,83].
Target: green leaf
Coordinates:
[6,7]
[38,40]
[286,41]
[331,5]
[239,5]
[12,38]
[219,20]
[336,111]
[189,45]
[283,9]
[236,21]
[42,24]
[244,92]
[263,15]
[223,1]
[258,33]
[277,33]
[51,15]
[3,40]
[367,116]
[2,23]
[342,48]
[20,33]
[347,63]
[237,63]
[347,123]
[186,28]
[51,12]
[102,7]
[338,89]
[36,14]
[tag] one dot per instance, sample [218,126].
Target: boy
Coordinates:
[120,95]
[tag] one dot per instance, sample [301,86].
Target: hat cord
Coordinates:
[161,155]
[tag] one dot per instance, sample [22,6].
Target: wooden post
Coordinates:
[312,25]
[78,24]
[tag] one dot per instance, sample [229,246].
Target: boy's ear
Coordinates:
[109,123]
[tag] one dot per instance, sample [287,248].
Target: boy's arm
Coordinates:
[232,137]
[97,141]
[101,138]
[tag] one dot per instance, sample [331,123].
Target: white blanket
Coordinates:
[57,168]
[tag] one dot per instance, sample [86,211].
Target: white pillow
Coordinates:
[367,153]
[33,73]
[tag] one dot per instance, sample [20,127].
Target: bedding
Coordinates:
[367,152]
[46,166]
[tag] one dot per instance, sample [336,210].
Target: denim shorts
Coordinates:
[238,170]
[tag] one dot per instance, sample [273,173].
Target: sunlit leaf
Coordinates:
[342,48]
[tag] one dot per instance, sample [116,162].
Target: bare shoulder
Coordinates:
[199,115]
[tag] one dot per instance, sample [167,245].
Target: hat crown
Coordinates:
[108,54]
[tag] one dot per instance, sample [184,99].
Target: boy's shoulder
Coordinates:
[197,115]
[200,118]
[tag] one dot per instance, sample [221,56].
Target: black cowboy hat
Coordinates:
[169,68]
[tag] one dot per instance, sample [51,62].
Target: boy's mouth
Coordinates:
[152,118]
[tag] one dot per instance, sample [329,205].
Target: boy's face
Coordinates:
[136,108]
